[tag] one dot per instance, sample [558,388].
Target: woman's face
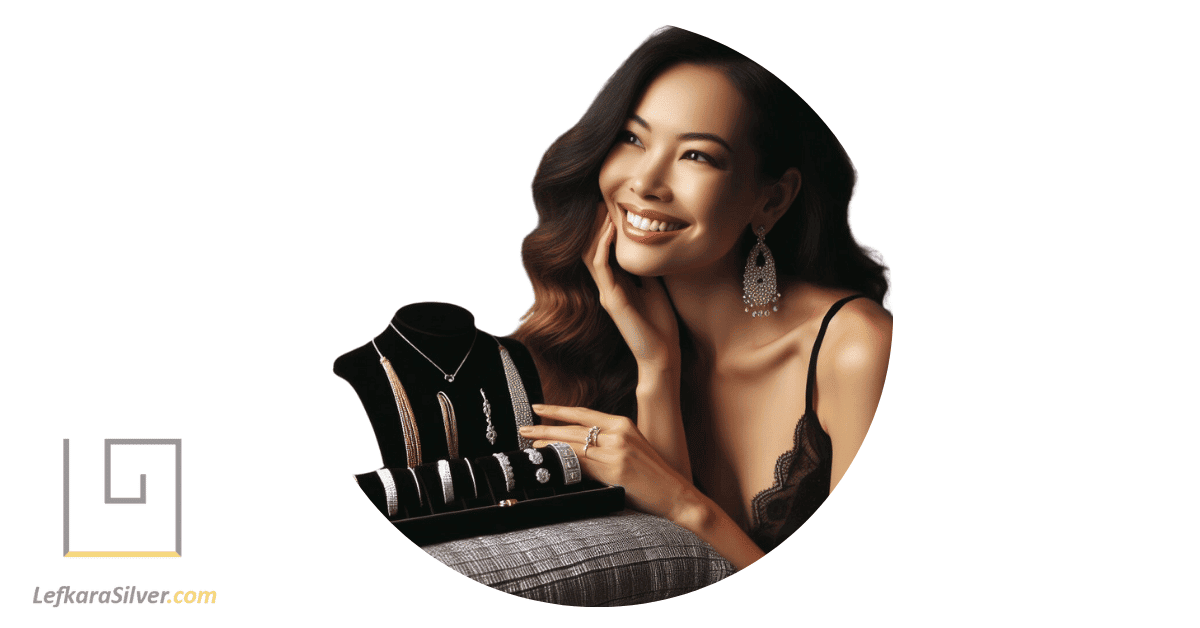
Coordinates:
[680,182]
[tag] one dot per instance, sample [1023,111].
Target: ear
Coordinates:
[780,196]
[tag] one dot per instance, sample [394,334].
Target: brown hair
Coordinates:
[581,356]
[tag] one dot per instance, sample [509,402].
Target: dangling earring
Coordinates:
[759,287]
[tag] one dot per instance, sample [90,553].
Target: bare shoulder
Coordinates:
[851,368]
[859,339]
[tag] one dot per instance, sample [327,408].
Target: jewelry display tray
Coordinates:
[482,514]
[588,499]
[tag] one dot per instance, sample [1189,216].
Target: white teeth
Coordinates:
[646,224]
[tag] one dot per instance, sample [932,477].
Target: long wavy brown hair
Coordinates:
[580,354]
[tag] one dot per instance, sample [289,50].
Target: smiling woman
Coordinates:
[692,259]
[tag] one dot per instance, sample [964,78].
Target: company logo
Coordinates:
[126,526]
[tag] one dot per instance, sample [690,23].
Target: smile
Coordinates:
[646,224]
[649,227]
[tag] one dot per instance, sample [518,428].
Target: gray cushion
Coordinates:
[625,558]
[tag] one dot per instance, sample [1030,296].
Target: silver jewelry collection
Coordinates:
[389,491]
[408,423]
[759,285]
[449,376]
[487,413]
[510,480]
[449,423]
[447,481]
[570,463]
[522,416]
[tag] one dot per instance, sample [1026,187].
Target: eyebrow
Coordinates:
[712,137]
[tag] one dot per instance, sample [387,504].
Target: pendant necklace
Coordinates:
[449,376]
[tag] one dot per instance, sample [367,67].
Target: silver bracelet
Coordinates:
[472,471]
[570,463]
[447,481]
[420,500]
[389,491]
[510,482]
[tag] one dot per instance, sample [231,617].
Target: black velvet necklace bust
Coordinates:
[445,334]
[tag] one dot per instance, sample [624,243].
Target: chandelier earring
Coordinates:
[760,288]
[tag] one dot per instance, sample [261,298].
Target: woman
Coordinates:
[675,349]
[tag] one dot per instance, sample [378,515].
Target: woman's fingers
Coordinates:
[595,454]
[558,433]
[577,416]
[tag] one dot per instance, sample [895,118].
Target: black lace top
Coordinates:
[803,474]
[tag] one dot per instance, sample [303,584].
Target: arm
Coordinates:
[622,456]
[850,381]
[646,319]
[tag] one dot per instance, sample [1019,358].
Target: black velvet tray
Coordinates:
[590,499]
[426,518]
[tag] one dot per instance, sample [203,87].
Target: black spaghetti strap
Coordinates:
[812,361]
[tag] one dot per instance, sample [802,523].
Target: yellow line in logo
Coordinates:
[122,555]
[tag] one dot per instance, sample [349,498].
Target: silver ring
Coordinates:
[389,491]
[535,456]
[473,484]
[570,463]
[542,475]
[420,500]
[447,481]
[510,481]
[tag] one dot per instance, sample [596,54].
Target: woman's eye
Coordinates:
[696,155]
[627,137]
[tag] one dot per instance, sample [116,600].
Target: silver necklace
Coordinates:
[449,376]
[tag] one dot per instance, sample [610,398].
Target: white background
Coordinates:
[205,204]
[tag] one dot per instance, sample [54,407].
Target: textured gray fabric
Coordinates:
[625,558]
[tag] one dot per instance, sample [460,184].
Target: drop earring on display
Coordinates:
[487,414]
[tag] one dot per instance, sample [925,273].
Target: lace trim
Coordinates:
[782,464]
[783,468]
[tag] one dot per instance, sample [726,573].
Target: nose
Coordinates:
[649,181]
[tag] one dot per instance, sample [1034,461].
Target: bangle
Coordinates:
[443,467]
[570,463]
[420,499]
[510,482]
[471,470]
[389,491]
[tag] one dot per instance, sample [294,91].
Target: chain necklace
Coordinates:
[449,376]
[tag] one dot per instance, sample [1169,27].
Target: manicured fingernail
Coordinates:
[537,407]
[525,430]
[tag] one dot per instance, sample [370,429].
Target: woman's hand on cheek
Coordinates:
[644,315]
[620,455]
